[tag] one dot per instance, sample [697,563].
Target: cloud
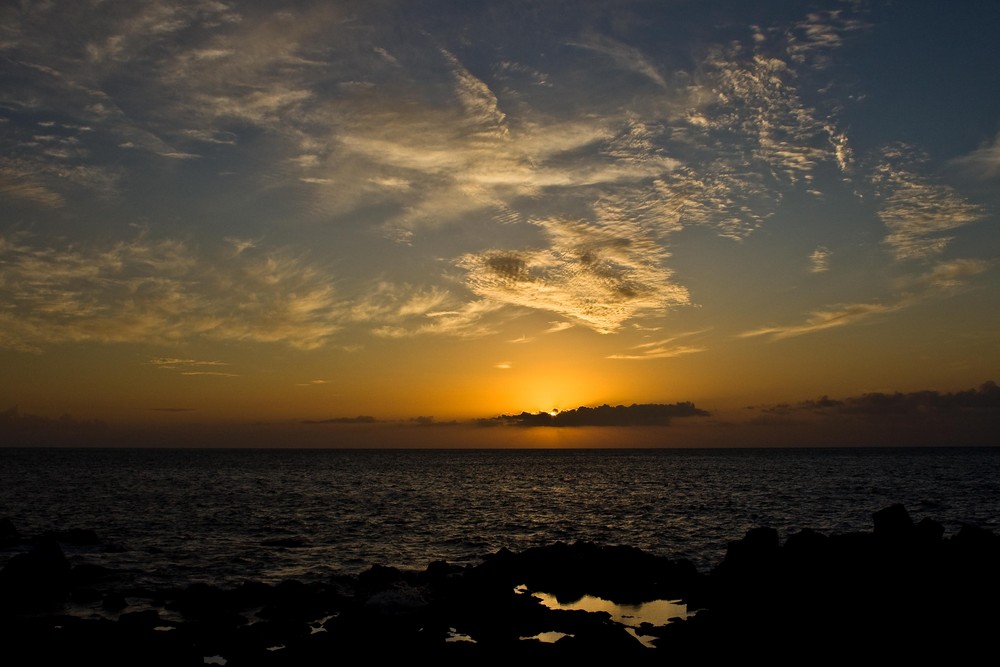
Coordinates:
[662,349]
[943,278]
[312,383]
[556,327]
[820,33]
[199,63]
[596,275]
[758,98]
[744,137]
[479,101]
[604,415]
[402,311]
[984,162]
[160,290]
[360,419]
[733,201]
[658,350]
[30,430]
[820,259]
[949,274]
[453,168]
[623,55]
[571,196]
[178,155]
[820,320]
[213,373]
[172,363]
[477,143]
[469,320]
[212,136]
[22,186]
[916,210]
[386,55]
[920,403]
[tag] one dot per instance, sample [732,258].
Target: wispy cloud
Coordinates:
[662,349]
[820,259]
[21,185]
[835,316]
[172,363]
[943,278]
[624,56]
[399,310]
[984,162]
[577,196]
[916,210]
[389,303]
[312,383]
[479,102]
[179,155]
[948,275]
[814,37]
[212,373]
[556,327]
[160,290]
[658,350]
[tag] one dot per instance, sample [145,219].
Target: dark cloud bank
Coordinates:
[649,414]
[18,428]
[986,397]
[360,419]
[922,418]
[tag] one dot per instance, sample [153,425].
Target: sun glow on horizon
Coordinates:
[550,393]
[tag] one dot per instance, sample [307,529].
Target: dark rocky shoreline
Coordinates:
[901,591]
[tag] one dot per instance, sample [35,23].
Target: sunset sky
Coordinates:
[219,214]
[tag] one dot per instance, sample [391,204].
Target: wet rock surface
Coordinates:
[901,591]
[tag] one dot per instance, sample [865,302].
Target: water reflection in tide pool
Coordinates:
[655,612]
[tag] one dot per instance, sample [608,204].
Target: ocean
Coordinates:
[170,517]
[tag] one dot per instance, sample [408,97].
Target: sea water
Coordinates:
[176,516]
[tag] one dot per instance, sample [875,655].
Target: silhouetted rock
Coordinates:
[759,546]
[40,576]
[899,593]
[114,601]
[8,533]
[805,545]
[202,601]
[252,594]
[140,620]
[893,523]
[85,574]
[929,530]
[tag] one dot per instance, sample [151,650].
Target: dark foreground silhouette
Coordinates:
[901,591]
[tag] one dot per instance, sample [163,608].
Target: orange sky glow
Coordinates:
[226,224]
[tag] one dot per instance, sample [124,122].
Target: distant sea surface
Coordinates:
[223,516]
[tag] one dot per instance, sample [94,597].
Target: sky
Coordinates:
[349,223]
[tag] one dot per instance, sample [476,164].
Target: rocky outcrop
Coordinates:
[902,591]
